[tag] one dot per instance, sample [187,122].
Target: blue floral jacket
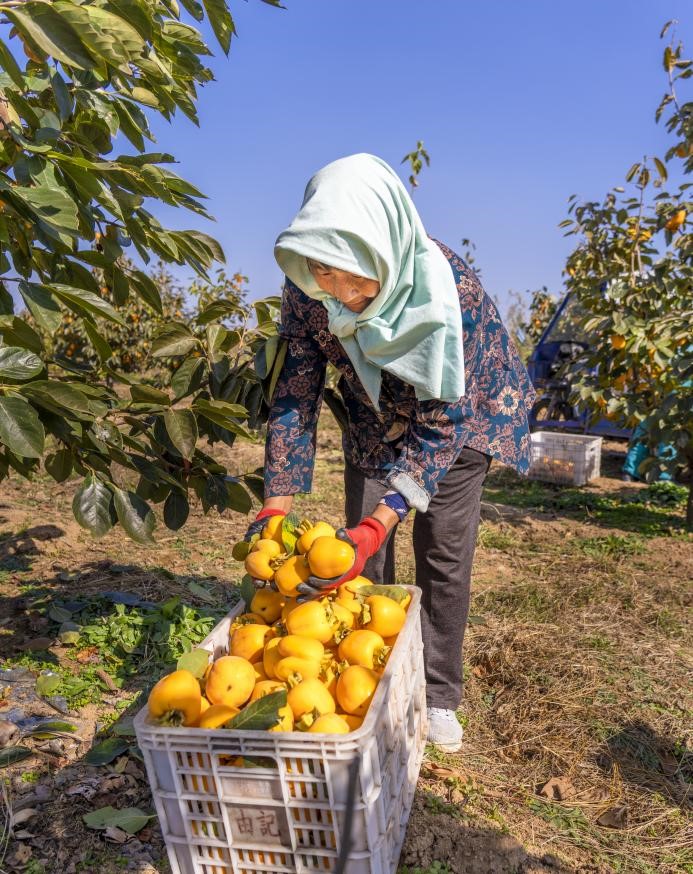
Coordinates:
[409,444]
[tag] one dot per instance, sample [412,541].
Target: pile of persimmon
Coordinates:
[327,654]
[287,552]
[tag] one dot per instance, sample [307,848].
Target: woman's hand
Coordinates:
[366,539]
[278,506]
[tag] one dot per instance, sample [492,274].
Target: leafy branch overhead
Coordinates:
[416,161]
[78,191]
[631,274]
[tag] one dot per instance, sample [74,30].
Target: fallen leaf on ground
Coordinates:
[614,817]
[10,755]
[113,833]
[37,644]
[23,815]
[9,733]
[557,789]
[21,855]
[439,772]
[130,819]
[105,751]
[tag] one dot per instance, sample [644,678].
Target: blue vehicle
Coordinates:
[560,343]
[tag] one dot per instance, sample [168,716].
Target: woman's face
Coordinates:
[355,292]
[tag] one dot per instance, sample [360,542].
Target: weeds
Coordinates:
[611,546]
[437,805]
[570,820]
[493,537]
[433,868]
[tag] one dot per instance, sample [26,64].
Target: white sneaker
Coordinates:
[444,730]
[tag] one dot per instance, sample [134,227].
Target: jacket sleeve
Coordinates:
[435,437]
[293,417]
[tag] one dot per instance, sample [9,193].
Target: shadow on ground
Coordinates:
[444,838]
[650,762]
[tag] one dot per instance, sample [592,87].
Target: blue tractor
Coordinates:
[560,343]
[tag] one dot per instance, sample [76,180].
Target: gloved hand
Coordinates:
[366,538]
[261,520]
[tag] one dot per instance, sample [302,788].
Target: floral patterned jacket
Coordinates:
[409,444]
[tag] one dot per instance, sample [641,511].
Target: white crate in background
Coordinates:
[288,813]
[572,459]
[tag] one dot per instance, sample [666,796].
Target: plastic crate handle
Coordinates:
[347,840]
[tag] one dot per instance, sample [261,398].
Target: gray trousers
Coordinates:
[444,543]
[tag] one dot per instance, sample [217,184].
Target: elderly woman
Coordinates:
[432,386]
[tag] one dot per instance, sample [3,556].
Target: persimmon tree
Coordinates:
[632,275]
[78,189]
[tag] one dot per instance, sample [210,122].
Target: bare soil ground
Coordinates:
[577,708]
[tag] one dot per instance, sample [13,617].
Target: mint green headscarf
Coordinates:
[357,216]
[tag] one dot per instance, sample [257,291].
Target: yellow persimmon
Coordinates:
[294,670]
[271,547]
[257,564]
[310,696]
[365,648]
[273,530]
[216,716]
[268,604]
[271,656]
[320,529]
[386,616]
[301,647]
[311,619]
[176,699]
[248,641]
[330,557]
[231,681]
[329,723]
[291,574]
[266,687]
[355,689]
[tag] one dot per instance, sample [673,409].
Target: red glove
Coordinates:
[259,523]
[367,538]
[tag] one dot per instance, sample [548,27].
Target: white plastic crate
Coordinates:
[288,814]
[573,459]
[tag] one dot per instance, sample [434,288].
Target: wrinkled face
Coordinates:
[355,292]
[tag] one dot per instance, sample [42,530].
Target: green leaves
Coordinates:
[92,507]
[261,714]
[20,427]
[82,301]
[181,426]
[195,661]
[50,33]
[173,339]
[105,751]
[135,516]
[129,819]
[76,220]
[176,510]
[12,755]
[221,21]
[18,364]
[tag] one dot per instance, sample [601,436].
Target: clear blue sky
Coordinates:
[520,104]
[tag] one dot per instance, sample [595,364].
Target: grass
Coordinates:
[434,868]
[652,512]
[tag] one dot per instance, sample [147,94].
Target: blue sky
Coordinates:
[520,104]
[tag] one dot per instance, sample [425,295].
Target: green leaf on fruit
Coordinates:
[195,661]
[261,714]
[247,591]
